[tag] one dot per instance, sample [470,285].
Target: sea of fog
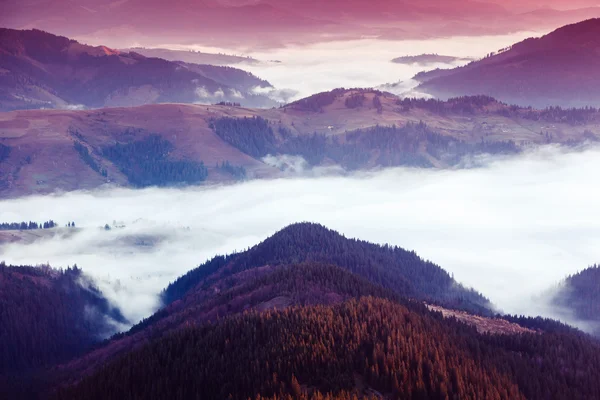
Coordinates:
[299,71]
[511,229]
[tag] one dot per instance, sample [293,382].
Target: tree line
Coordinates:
[23,226]
[147,162]
[387,146]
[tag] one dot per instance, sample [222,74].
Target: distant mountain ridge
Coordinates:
[558,69]
[194,57]
[350,129]
[428,59]
[268,23]
[41,70]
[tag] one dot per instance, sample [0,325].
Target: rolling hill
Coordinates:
[558,69]
[42,151]
[41,70]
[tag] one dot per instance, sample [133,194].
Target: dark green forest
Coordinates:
[47,316]
[146,163]
[379,146]
[579,294]
[87,158]
[393,268]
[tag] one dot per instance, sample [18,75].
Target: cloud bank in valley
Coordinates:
[511,229]
[299,71]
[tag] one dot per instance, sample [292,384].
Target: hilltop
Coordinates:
[558,69]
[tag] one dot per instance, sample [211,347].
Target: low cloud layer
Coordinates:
[302,70]
[511,229]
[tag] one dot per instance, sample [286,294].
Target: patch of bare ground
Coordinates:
[483,324]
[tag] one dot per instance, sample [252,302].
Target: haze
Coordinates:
[511,229]
[299,71]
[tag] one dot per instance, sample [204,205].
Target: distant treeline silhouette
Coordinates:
[13,226]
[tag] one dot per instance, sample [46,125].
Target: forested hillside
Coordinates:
[359,348]
[578,296]
[394,268]
[48,316]
[413,145]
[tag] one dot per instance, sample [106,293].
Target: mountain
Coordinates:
[194,57]
[428,59]
[268,23]
[41,70]
[42,151]
[558,69]
[398,270]
[578,298]
[302,264]
[48,316]
[309,311]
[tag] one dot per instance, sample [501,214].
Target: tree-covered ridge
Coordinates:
[359,348]
[316,102]
[146,163]
[579,294]
[413,144]
[471,105]
[262,288]
[304,350]
[394,268]
[48,316]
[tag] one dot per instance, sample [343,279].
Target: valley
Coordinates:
[316,200]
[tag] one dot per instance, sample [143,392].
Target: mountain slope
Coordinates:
[41,70]
[302,264]
[561,68]
[327,349]
[47,150]
[367,348]
[47,317]
[578,298]
[396,269]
